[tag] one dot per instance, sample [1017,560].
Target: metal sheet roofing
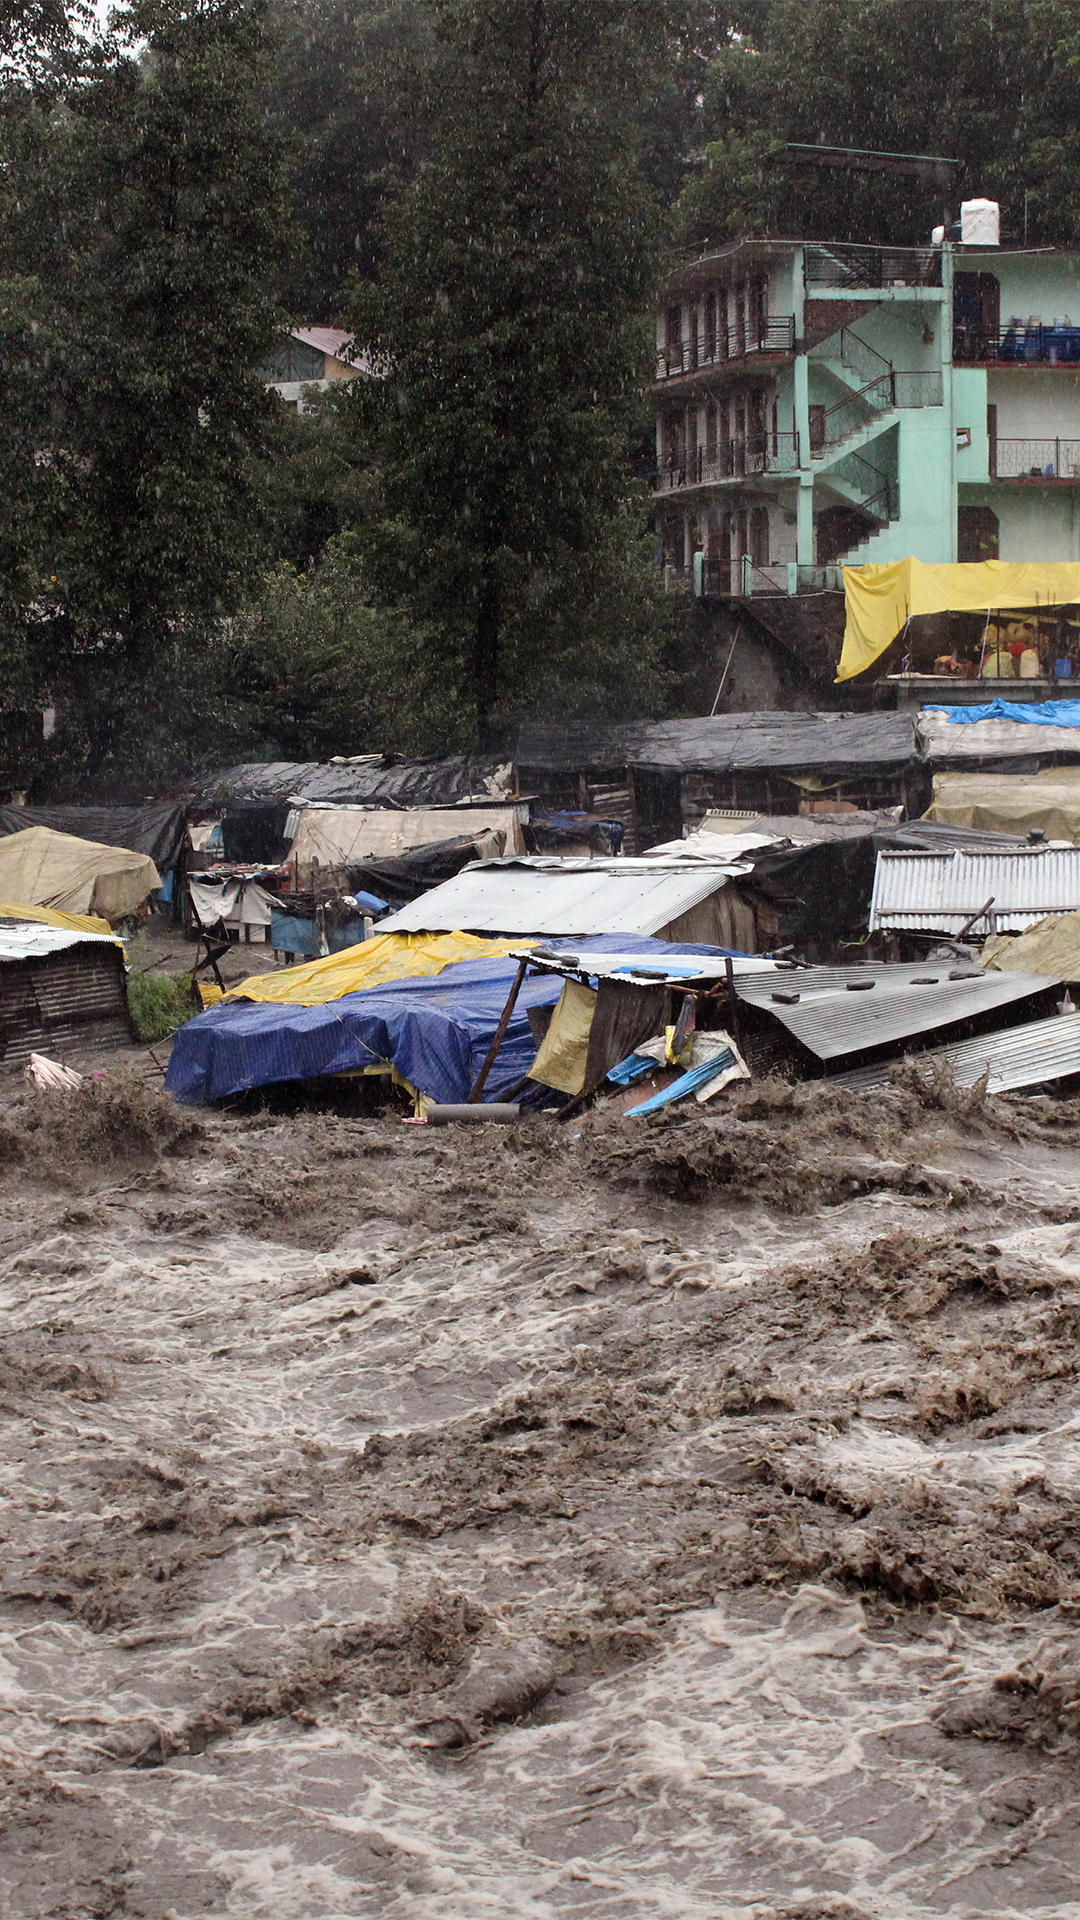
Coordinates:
[1016,1057]
[371,778]
[729,742]
[30,940]
[844,1010]
[574,897]
[946,741]
[938,892]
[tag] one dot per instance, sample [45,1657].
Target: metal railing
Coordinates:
[878,492]
[753,453]
[1012,459]
[841,264]
[1019,346]
[776,334]
[739,578]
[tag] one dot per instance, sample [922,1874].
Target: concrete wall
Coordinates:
[1041,285]
[1036,523]
[1035,402]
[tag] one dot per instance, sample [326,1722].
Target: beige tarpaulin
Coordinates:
[879,600]
[50,869]
[344,836]
[1051,946]
[1048,801]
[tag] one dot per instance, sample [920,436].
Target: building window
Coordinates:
[977,534]
[710,326]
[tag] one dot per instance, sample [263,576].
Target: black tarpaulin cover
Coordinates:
[158,830]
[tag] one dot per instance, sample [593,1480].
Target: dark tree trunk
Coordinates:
[486,655]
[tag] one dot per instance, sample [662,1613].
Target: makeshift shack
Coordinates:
[1044,803]
[1001,736]
[671,898]
[157,831]
[845,1017]
[60,988]
[970,893]
[432,1030]
[661,778]
[340,839]
[78,876]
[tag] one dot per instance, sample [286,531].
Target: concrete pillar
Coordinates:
[804,528]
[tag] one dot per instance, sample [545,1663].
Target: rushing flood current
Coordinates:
[674,1523]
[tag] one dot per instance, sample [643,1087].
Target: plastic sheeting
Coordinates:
[1051,946]
[1048,713]
[52,917]
[347,836]
[375,962]
[77,876]
[435,1031]
[1011,803]
[159,831]
[881,599]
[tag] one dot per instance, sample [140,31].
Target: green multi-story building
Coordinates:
[821,403]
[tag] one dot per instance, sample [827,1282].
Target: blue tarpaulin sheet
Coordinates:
[435,1031]
[1048,713]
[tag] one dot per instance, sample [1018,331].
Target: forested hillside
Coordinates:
[483,194]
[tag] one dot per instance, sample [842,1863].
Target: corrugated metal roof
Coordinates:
[574,897]
[842,1010]
[938,892]
[1016,1057]
[27,940]
[411,783]
[945,741]
[729,742]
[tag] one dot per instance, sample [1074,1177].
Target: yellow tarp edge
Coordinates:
[387,956]
[52,917]
[879,599]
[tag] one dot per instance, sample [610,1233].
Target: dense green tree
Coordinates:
[143,220]
[334,93]
[507,325]
[994,85]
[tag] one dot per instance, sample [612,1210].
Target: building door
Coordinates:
[976,314]
[977,533]
[710,432]
[817,429]
[991,435]
[759,536]
[673,339]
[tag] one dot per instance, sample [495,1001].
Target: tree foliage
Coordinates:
[507,322]
[993,84]
[142,231]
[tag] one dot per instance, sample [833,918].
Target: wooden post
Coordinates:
[500,1033]
[733,1002]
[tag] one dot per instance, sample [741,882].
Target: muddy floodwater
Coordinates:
[675,1520]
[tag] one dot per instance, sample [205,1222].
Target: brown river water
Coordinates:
[672,1520]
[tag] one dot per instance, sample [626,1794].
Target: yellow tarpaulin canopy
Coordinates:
[880,600]
[52,917]
[388,956]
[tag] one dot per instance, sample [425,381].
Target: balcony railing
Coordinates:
[740,577]
[738,459]
[774,335]
[1035,459]
[842,265]
[1036,346]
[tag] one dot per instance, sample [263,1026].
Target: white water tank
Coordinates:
[980,223]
